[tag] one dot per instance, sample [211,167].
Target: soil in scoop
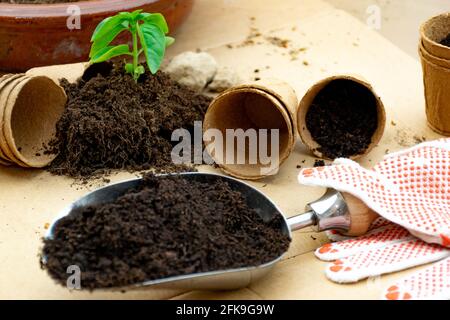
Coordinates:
[165,227]
[342,119]
[112,122]
[37,1]
[446,41]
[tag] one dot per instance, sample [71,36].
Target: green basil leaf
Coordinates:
[104,41]
[135,13]
[157,19]
[110,52]
[153,41]
[108,24]
[169,41]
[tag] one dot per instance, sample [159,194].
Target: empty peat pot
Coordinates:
[261,107]
[33,35]
[435,58]
[30,107]
[341,116]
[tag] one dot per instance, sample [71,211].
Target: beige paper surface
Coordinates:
[335,43]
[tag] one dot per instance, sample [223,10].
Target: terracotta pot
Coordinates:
[37,35]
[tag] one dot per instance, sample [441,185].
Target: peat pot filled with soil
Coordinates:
[167,226]
[62,37]
[341,117]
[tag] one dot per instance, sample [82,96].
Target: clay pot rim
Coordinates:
[311,144]
[58,10]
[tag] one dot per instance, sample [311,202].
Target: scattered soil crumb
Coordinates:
[252,36]
[319,163]
[407,138]
[294,53]
[420,139]
[276,41]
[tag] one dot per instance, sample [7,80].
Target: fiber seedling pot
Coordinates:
[435,60]
[23,137]
[436,80]
[4,160]
[310,96]
[6,88]
[432,32]
[33,35]
[266,104]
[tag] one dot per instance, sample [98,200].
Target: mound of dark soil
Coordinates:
[112,122]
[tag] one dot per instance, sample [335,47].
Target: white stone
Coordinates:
[192,69]
[225,78]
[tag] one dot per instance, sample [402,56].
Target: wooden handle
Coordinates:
[361,215]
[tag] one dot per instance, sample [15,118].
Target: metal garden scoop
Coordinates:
[333,210]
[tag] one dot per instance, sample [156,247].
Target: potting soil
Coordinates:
[342,119]
[112,122]
[446,41]
[165,227]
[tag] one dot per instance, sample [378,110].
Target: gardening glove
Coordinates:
[411,190]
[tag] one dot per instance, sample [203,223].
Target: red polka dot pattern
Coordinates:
[411,188]
[373,240]
[431,283]
[387,259]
